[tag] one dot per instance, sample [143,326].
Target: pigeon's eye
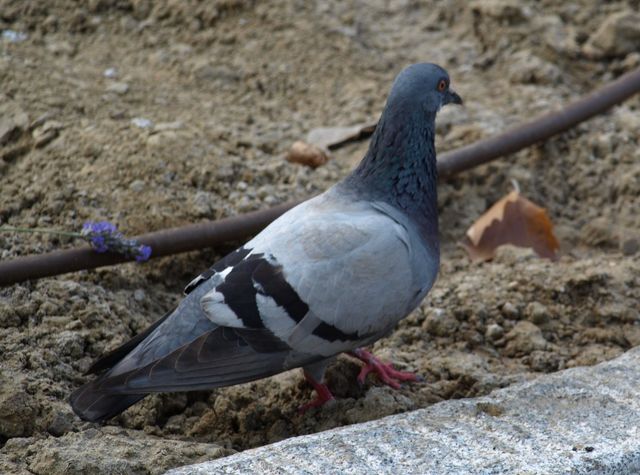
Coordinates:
[442,85]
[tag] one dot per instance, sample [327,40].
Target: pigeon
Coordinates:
[332,275]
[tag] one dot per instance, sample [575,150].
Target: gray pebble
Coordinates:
[137,186]
[509,310]
[118,87]
[494,332]
[537,313]
[61,424]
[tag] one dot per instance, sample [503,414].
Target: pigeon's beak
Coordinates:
[452,98]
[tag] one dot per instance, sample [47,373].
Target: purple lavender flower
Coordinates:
[97,234]
[104,236]
[144,253]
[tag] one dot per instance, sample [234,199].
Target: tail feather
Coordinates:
[217,358]
[91,403]
[113,357]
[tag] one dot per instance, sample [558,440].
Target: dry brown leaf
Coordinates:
[307,154]
[512,220]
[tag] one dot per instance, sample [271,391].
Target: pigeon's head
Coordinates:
[425,85]
[400,166]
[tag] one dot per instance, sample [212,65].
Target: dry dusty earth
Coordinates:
[227,86]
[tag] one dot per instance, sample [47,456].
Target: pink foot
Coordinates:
[324,395]
[385,371]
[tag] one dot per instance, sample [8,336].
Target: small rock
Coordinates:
[537,313]
[60,48]
[440,323]
[137,186]
[13,36]
[270,200]
[618,35]
[202,203]
[630,246]
[494,332]
[162,138]
[17,412]
[110,73]
[61,424]
[46,133]
[142,122]
[543,361]
[205,71]
[40,120]
[139,295]
[604,144]
[118,88]
[70,343]
[264,191]
[13,121]
[524,338]
[509,310]
[118,114]
[631,61]
[307,154]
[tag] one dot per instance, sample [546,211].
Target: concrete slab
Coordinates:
[581,420]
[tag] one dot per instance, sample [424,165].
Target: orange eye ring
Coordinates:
[442,85]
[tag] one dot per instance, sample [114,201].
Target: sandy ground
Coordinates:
[225,88]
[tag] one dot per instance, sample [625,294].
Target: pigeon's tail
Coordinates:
[91,403]
[217,358]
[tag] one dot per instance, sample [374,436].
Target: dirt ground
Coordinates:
[159,114]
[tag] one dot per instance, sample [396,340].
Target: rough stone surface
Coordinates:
[79,453]
[581,420]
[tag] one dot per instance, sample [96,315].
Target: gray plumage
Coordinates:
[331,275]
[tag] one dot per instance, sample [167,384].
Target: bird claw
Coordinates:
[323,392]
[385,371]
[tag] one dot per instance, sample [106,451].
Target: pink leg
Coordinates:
[324,395]
[385,371]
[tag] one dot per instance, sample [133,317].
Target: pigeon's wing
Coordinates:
[336,274]
[184,350]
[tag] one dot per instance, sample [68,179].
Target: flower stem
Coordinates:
[41,231]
